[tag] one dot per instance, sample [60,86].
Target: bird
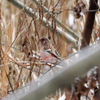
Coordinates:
[47,52]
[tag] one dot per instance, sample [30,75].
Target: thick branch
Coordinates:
[50,83]
[89,23]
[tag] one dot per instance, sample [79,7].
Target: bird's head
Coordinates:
[44,41]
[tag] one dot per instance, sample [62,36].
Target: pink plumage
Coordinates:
[47,51]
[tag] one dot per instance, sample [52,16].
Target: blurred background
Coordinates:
[61,21]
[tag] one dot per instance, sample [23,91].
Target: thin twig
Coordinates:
[10,82]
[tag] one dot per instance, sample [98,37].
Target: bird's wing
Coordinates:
[52,48]
[54,53]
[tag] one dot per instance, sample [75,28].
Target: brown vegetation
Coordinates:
[20,60]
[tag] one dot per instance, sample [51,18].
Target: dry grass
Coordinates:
[20,35]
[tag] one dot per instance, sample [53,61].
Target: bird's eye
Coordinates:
[42,39]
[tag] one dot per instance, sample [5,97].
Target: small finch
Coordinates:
[47,52]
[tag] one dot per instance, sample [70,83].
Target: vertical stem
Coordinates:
[63,43]
[3,78]
[3,71]
[0,32]
[89,23]
[0,45]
